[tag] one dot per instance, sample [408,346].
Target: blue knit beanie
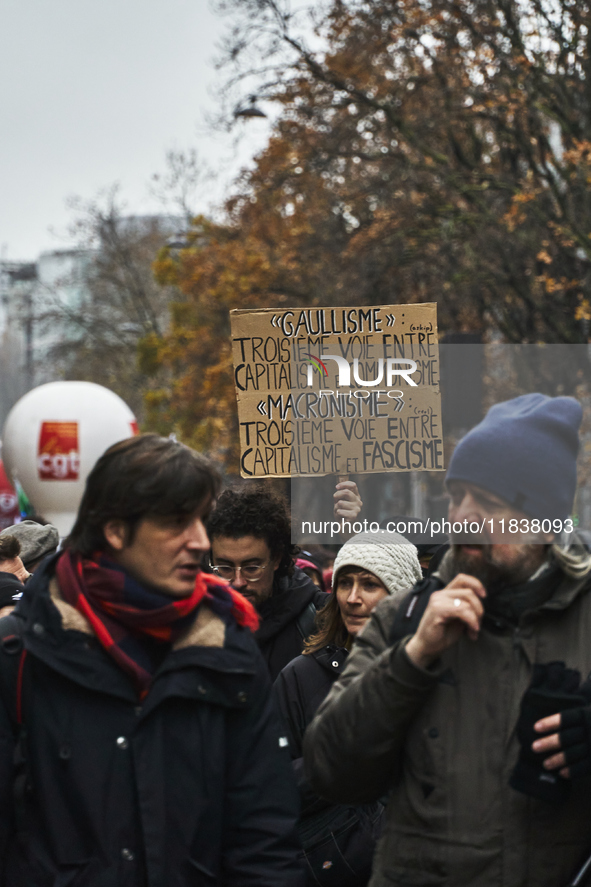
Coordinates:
[525,451]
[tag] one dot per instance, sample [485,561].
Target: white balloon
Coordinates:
[52,438]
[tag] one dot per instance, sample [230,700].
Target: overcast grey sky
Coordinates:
[94,92]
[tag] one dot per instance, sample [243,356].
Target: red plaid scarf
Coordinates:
[128,618]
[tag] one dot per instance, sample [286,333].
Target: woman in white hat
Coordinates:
[368,567]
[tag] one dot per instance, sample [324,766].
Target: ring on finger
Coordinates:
[457,602]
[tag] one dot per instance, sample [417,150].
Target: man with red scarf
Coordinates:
[138,744]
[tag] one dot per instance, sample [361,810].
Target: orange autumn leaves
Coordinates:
[434,152]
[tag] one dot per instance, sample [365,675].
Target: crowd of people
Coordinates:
[185,702]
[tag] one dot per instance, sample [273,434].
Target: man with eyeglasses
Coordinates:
[251,547]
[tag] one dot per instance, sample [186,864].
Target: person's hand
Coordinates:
[569,744]
[555,698]
[551,744]
[451,612]
[347,501]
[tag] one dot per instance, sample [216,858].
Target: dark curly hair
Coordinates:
[254,511]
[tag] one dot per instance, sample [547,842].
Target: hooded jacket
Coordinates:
[192,788]
[279,637]
[444,740]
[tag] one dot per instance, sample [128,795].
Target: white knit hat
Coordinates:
[389,556]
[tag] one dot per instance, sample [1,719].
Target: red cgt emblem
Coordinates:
[58,456]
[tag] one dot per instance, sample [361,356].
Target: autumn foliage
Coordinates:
[430,151]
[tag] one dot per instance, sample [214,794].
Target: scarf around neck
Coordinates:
[131,620]
[507,603]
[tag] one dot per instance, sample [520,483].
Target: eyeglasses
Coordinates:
[250,572]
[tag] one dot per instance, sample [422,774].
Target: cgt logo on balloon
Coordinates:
[58,455]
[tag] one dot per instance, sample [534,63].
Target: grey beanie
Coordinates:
[389,556]
[36,540]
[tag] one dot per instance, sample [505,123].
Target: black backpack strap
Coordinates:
[410,612]
[306,620]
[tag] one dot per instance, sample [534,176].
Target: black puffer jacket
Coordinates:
[339,840]
[279,637]
[189,789]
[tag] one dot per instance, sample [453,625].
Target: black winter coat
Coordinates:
[190,789]
[279,637]
[300,688]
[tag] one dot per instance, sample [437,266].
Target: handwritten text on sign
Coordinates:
[337,390]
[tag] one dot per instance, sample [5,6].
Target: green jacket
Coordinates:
[444,740]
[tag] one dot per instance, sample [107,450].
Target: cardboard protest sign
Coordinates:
[337,390]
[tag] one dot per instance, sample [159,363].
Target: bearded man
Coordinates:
[465,699]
